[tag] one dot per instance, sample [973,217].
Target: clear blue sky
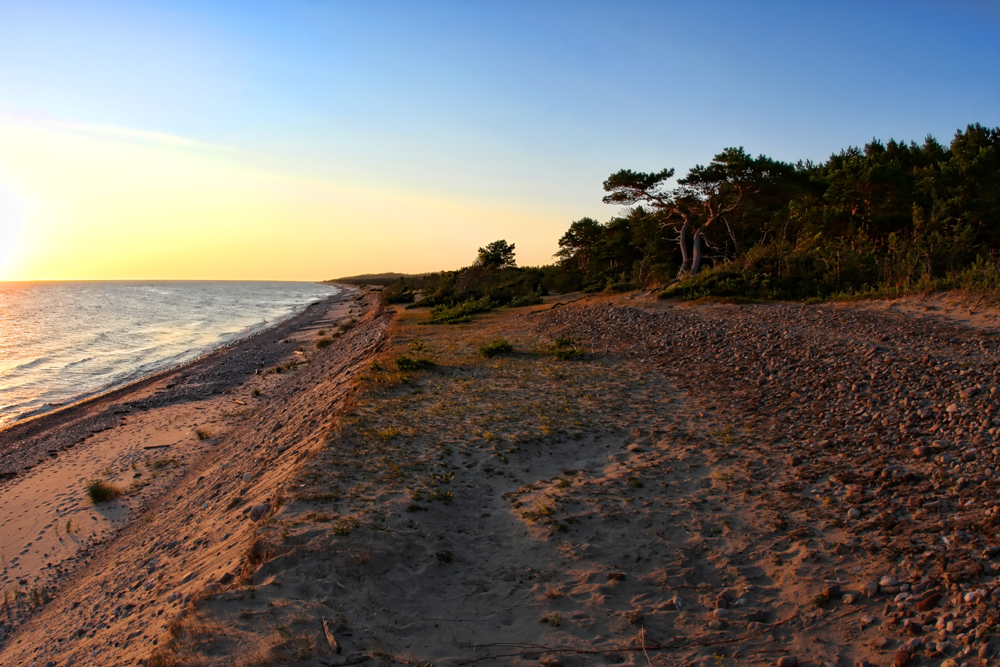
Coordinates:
[528,103]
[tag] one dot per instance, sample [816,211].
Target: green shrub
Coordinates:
[619,283]
[493,348]
[461,312]
[405,363]
[100,491]
[529,299]
[397,293]
[326,341]
[565,348]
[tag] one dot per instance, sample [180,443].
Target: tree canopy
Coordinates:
[497,256]
[887,213]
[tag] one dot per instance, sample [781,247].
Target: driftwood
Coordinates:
[557,304]
[331,639]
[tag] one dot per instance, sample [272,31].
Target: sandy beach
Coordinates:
[145,439]
[636,482]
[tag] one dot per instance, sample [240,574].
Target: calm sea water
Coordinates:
[60,342]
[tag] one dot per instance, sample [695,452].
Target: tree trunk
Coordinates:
[696,254]
[685,257]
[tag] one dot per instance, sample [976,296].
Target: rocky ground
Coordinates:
[872,437]
[636,482]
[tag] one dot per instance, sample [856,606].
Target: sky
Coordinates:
[311,139]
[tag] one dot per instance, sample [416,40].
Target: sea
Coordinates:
[61,342]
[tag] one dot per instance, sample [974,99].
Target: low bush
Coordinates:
[397,293]
[565,348]
[493,348]
[461,312]
[405,363]
[326,341]
[529,299]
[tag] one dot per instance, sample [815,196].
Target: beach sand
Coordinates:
[152,440]
[710,484]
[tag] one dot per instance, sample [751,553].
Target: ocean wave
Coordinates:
[28,365]
[91,337]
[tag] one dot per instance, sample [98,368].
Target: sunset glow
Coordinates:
[126,205]
[311,140]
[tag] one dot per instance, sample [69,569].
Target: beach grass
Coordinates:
[100,491]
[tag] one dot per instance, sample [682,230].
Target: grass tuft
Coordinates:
[100,491]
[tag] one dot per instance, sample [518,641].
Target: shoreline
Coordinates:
[152,375]
[15,454]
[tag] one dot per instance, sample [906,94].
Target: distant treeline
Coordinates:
[885,219]
[376,278]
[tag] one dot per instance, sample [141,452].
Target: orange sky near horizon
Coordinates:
[91,202]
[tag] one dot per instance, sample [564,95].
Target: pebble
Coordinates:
[972,596]
[870,589]
[678,603]
[788,661]
[848,599]
[259,511]
[888,581]
[854,513]
[722,613]
[247,476]
[929,602]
